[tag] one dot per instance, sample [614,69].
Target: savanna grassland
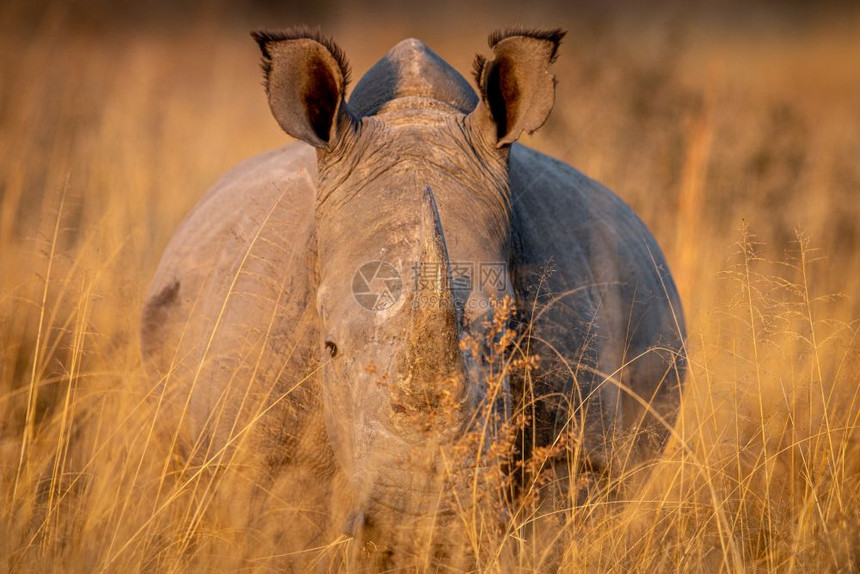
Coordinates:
[733,131]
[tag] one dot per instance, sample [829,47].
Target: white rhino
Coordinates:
[322,297]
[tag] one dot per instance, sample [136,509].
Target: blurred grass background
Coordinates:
[731,128]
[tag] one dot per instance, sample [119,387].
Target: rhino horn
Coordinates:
[435,266]
[435,324]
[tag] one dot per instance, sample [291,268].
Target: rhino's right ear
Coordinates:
[305,78]
[517,91]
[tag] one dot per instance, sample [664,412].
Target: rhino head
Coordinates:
[413,181]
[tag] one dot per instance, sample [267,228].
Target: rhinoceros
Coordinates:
[325,300]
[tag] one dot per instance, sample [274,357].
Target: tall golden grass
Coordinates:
[734,135]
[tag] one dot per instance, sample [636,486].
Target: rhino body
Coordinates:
[259,345]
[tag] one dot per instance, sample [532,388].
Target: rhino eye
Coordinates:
[331,348]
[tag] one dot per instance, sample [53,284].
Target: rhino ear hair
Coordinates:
[517,91]
[305,76]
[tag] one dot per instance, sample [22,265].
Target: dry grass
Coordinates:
[734,135]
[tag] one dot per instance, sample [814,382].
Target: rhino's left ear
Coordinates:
[306,77]
[517,91]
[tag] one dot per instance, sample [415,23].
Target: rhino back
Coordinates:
[604,301]
[228,326]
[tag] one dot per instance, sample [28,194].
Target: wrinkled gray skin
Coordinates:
[254,291]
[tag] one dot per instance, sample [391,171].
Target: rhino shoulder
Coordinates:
[542,183]
[571,209]
[244,220]
[587,233]
[264,173]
